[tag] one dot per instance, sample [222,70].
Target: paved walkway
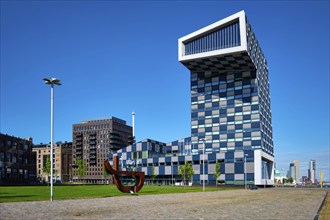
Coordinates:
[279,203]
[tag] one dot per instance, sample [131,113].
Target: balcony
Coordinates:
[116,142]
[114,133]
[114,137]
[115,147]
[92,137]
[131,140]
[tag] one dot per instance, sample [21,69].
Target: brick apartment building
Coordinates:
[93,140]
[17,161]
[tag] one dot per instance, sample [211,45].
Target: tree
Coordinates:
[290,180]
[153,175]
[46,168]
[285,180]
[217,172]
[55,174]
[82,168]
[186,171]
[104,174]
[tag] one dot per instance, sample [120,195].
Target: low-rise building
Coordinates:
[164,159]
[62,161]
[17,161]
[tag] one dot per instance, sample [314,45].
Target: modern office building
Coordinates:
[93,140]
[17,161]
[292,172]
[297,176]
[62,161]
[230,110]
[312,171]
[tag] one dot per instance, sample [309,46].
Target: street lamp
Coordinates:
[172,169]
[265,165]
[245,155]
[52,82]
[202,139]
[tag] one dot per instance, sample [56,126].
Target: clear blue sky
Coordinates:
[115,57]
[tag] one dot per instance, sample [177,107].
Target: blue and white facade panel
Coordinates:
[166,165]
[230,111]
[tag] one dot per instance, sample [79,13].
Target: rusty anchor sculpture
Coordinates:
[138,176]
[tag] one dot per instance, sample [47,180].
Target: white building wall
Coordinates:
[258,155]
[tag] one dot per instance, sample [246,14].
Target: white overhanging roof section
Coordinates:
[222,23]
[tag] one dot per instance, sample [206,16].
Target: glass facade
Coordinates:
[265,113]
[225,110]
[230,100]
[230,103]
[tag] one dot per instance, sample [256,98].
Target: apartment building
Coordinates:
[62,161]
[17,161]
[93,140]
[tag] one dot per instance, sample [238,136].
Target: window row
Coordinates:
[204,108]
[225,37]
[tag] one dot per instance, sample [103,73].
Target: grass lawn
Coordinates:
[325,212]
[42,193]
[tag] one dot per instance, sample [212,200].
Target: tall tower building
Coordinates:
[93,140]
[296,165]
[294,171]
[230,112]
[230,99]
[312,171]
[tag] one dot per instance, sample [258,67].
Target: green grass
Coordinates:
[325,212]
[42,193]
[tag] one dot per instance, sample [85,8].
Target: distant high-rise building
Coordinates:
[296,165]
[94,139]
[312,171]
[292,171]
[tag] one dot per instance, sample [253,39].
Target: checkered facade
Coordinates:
[230,103]
[166,159]
[230,111]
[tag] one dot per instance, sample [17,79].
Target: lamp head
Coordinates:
[50,81]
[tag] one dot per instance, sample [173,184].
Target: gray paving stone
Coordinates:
[277,203]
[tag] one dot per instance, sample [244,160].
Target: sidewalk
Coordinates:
[277,203]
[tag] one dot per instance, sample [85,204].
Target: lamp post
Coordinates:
[265,165]
[52,82]
[203,163]
[245,155]
[172,170]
